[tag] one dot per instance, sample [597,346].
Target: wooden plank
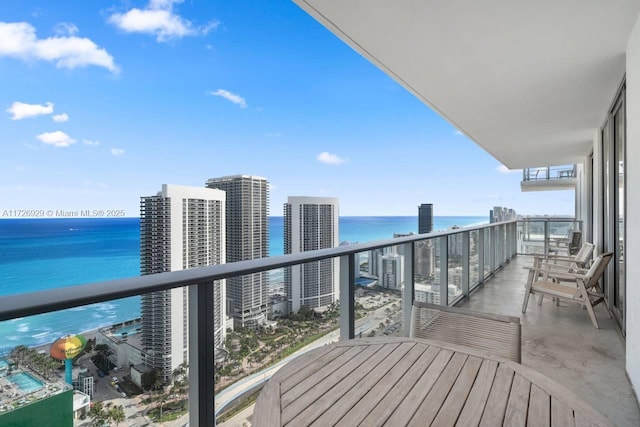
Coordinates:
[582,421]
[379,414]
[539,408]
[375,386]
[313,377]
[297,370]
[405,410]
[475,403]
[427,410]
[496,404]
[450,410]
[561,414]
[562,394]
[267,408]
[304,408]
[367,396]
[518,404]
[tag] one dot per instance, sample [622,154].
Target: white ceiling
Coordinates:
[529,81]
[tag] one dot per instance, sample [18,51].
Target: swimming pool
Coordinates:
[128,330]
[26,382]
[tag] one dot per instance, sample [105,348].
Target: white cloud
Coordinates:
[57,139]
[65,29]
[159,19]
[19,40]
[89,142]
[59,118]
[20,110]
[274,134]
[330,159]
[236,99]
[117,151]
[458,133]
[504,169]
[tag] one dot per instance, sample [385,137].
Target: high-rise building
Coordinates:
[247,236]
[311,223]
[391,271]
[424,259]
[425,218]
[499,214]
[180,227]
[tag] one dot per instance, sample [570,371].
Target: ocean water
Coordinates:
[39,254]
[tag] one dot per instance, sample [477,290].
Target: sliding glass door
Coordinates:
[614,208]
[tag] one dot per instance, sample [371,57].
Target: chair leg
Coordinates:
[592,314]
[527,292]
[584,295]
[540,298]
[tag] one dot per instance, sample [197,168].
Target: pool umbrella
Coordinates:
[66,348]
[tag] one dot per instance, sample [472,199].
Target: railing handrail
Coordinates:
[28,304]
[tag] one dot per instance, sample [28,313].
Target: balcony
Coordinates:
[549,178]
[478,267]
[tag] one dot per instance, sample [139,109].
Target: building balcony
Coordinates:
[549,178]
[482,270]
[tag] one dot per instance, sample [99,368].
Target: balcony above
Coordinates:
[549,178]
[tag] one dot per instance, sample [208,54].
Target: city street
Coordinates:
[362,326]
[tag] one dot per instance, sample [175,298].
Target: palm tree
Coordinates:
[97,414]
[181,378]
[116,414]
[104,351]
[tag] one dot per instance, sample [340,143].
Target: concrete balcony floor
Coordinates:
[562,343]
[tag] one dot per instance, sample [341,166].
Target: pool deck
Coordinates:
[12,397]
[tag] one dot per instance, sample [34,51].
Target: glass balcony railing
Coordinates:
[549,173]
[536,235]
[377,283]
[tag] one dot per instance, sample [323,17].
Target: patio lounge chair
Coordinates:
[496,334]
[563,263]
[569,245]
[583,287]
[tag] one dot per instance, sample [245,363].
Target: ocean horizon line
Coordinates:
[270,216]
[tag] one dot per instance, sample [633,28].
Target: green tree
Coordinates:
[104,351]
[97,414]
[181,379]
[116,414]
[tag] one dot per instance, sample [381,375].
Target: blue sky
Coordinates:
[103,102]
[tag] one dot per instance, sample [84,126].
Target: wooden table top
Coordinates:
[411,381]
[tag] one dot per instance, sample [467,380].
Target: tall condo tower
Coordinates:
[180,228]
[425,218]
[311,223]
[424,259]
[247,235]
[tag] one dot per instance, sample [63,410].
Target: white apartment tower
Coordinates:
[180,227]
[391,271]
[247,237]
[311,223]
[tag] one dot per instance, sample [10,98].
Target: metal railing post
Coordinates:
[444,270]
[546,237]
[409,284]
[347,297]
[201,342]
[492,249]
[465,263]
[481,255]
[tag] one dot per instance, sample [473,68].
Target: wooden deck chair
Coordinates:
[562,263]
[569,245]
[493,333]
[583,287]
